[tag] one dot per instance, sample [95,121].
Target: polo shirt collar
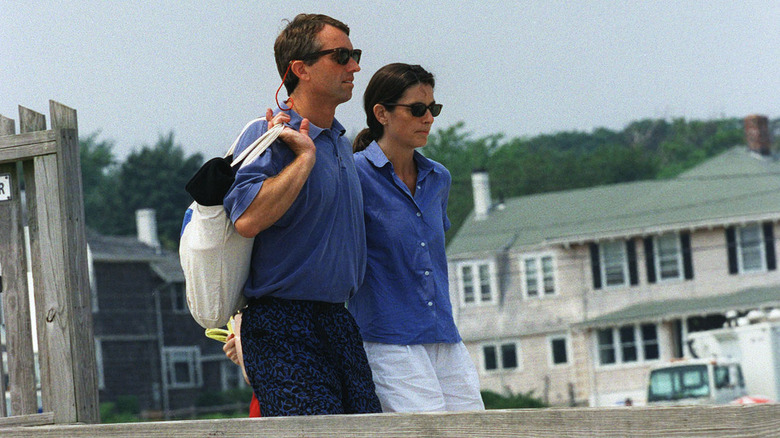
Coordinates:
[314,130]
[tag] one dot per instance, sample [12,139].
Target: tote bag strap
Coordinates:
[248,155]
[235,142]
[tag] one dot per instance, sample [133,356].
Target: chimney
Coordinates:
[757,134]
[146,225]
[480,183]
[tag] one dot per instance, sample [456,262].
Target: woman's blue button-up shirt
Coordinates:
[404,298]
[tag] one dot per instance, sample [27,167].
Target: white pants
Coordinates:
[426,377]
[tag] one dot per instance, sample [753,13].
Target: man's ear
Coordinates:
[300,69]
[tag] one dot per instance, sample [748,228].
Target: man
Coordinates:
[301,201]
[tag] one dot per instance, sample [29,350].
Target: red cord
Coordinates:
[289,99]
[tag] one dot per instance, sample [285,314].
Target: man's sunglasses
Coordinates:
[418,108]
[342,55]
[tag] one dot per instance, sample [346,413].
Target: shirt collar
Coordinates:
[314,130]
[377,157]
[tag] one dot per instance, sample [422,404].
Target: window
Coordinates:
[613,264]
[182,366]
[606,347]
[99,362]
[668,257]
[179,298]
[539,275]
[558,350]
[504,356]
[650,342]
[627,344]
[478,282]
[750,249]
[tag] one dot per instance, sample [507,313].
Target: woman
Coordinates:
[417,358]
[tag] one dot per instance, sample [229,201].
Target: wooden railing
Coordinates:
[753,421]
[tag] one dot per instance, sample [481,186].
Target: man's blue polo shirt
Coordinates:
[317,249]
[404,298]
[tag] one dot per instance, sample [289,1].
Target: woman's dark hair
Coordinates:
[387,86]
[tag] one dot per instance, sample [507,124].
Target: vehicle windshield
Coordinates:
[675,383]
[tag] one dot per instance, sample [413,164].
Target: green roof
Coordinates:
[735,186]
[743,300]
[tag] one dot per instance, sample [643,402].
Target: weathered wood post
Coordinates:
[16,304]
[52,176]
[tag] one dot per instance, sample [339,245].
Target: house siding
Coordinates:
[530,321]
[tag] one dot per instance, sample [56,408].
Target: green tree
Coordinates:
[99,182]
[154,177]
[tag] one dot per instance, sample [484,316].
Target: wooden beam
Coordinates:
[85,380]
[30,121]
[26,146]
[28,420]
[15,294]
[7,127]
[733,421]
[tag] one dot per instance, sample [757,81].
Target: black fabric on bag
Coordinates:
[212,181]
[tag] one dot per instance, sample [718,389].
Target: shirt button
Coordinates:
[422,243]
[427,273]
[418,187]
[430,303]
[419,214]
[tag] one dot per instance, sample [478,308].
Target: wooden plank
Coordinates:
[25,146]
[28,420]
[7,127]
[30,121]
[697,421]
[25,138]
[15,295]
[47,260]
[64,122]
[45,237]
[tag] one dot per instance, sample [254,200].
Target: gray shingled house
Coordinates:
[575,294]
[148,346]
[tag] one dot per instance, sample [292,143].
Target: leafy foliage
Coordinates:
[644,149]
[493,400]
[153,177]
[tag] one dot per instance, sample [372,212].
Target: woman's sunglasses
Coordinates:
[418,108]
[342,55]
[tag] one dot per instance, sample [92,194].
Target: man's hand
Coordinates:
[299,141]
[272,120]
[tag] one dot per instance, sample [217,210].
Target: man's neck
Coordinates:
[319,113]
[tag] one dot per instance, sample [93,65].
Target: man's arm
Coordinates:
[279,192]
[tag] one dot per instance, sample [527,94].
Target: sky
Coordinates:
[136,70]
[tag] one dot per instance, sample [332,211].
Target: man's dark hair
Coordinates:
[298,39]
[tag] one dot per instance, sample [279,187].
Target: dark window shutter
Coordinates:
[650,259]
[633,274]
[685,242]
[731,245]
[595,265]
[769,240]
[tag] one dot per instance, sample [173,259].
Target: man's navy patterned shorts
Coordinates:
[306,358]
